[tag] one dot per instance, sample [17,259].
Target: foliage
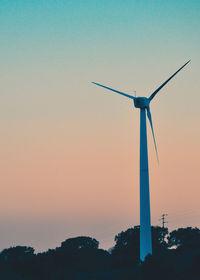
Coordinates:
[80,258]
[185,238]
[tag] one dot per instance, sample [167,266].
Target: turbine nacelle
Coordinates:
[141,102]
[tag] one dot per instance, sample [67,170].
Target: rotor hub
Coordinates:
[141,102]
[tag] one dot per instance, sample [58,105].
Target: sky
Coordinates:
[69,150]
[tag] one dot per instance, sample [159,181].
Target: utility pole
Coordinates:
[163,219]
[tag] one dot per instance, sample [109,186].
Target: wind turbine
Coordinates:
[143,103]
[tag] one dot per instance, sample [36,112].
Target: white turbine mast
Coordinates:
[142,103]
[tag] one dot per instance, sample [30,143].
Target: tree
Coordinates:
[80,242]
[184,239]
[159,244]
[17,259]
[16,254]
[127,246]
[68,254]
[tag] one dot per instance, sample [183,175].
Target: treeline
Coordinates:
[176,255]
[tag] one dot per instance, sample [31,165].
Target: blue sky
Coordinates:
[49,27]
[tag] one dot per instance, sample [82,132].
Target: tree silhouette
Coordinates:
[174,258]
[159,244]
[184,239]
[17,259]
[80,242]
[16,253]
[127,245]
[126,250]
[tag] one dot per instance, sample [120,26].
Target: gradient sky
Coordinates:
[70,150]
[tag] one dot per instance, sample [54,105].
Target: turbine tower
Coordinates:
[143,103]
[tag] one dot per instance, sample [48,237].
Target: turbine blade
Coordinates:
[151,124]
[122,93]
[158,89]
